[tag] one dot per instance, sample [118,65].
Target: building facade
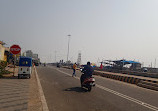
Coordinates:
[2,51]
[29,53]
[35,56]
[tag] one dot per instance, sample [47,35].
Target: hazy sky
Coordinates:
[100,29]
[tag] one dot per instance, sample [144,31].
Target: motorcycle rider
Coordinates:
[88,71]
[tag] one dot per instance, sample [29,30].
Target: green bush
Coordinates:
[3,64]
[1,76]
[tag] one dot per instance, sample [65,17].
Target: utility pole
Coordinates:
[55,56]
[68,47]
[155,63]
[79,58]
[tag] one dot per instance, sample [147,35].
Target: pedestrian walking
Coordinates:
[74,69]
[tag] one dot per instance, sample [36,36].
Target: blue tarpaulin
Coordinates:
[130,62]
[125,62]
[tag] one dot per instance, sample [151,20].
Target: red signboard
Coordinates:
[15,49]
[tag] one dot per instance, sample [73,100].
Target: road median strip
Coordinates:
[137,80]
[145,83]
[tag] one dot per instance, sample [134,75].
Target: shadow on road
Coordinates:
[76,89]
[11,77]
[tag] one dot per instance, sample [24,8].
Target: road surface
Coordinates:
[63,93]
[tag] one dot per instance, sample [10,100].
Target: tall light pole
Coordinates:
[155,63]
[55,56]
[68,47]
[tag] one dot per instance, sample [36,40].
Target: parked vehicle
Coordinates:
[25,67]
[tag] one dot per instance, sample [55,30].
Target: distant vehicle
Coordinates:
[44,64]
[36,62]
[145,70]
[25,67]
[58,65]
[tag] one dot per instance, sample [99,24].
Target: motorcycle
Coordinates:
[88,83]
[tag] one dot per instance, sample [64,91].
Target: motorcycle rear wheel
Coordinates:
[89,88]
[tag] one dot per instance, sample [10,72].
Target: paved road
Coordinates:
[63,93]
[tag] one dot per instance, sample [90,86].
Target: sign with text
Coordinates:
[15,49]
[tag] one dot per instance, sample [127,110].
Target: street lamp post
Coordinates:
[155,63]
[68,47]
[55,56]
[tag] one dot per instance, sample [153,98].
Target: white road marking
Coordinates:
[154,108]
[43,100]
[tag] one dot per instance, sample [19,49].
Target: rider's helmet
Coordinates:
[88,63]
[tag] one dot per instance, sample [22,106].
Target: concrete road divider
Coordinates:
[149,83]
[144,82]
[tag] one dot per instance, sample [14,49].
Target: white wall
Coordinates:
[2,49]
